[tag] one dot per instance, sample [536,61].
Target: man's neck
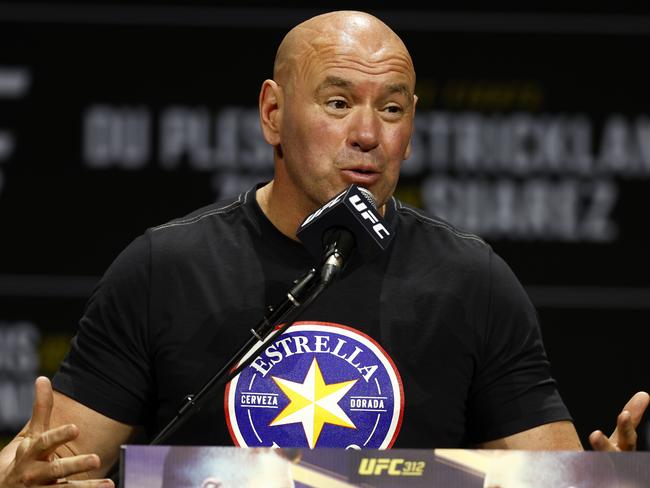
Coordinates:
[285,218]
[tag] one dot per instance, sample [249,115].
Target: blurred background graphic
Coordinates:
[533,131]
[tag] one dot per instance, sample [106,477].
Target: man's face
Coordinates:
[347,118]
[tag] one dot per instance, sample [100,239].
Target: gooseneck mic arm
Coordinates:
[339,244]
[305,290]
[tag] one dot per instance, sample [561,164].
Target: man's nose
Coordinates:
[364,129]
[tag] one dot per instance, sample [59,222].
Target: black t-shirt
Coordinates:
[433,344]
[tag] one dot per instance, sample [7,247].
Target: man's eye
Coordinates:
[337,104]
[393,109]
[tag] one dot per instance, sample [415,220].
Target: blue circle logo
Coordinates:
[317,385]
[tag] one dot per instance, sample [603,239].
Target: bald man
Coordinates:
[433,344]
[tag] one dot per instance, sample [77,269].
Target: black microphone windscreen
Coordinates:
[353,209]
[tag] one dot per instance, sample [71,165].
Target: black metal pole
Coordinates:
[303,293]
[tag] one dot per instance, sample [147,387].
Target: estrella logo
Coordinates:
[317,385]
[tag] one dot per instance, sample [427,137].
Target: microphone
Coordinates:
[348,222]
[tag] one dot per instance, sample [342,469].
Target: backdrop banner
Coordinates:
[532,130]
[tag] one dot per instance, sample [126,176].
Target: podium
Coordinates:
[234,467]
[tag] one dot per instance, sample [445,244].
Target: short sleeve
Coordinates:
[513,390]
[108,366]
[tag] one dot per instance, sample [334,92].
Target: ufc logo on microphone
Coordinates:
[367,214]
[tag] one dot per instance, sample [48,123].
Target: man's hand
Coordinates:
[624,436]
[35,462]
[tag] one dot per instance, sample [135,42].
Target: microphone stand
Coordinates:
[299,297]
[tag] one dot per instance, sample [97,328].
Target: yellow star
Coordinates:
[313,403]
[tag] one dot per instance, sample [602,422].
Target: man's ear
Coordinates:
[271,111]
[407,153]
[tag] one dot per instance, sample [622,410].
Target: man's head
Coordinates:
[340,108]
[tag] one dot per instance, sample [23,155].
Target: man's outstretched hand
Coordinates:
[624,436]
[35,463]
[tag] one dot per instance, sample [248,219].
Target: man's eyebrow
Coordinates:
[402,88]
[334,81]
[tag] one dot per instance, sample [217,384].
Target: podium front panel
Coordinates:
[225,467]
